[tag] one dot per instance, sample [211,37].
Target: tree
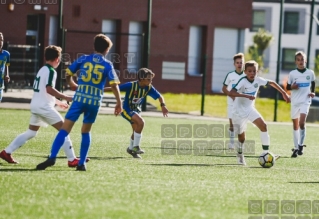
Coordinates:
[262,40]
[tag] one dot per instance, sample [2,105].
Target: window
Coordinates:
[134,55]
[291,22]
[288,59]
[259,19]
[195,46]
[109,29]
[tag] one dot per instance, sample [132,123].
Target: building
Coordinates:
[187,37]
[295,33]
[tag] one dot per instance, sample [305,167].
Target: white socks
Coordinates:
[20,140]
[137,139]
[68,149]
[231,136]
[265,140]
[131,144]
[296,136]
[302,136]
[240,148]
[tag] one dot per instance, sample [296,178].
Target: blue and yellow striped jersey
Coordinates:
[135,95]
[4,61]
[93,71]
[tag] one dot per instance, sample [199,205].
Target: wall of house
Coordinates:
[171,21]
[294,41]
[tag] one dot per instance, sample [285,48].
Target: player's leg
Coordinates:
[127,114]
[89,117]
[242,124]
[70,118]
[264,136]
[18,142]
[57,144]
[54,118]
[85,145]
[138,125]
[231,127]
[302,124]
[295,114]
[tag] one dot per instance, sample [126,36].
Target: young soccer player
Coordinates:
[4,66]
[94,70]
[42,108]
[245,92]
[135,93]
[230,81]
[301,82]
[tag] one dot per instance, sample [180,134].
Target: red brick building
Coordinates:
[182,33]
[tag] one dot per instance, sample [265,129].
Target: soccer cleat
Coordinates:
[138,150]
[300,149]
[7,157]
[295,153]
[241,159]
[49,162]
[276,156]
[81,168]
[75,162]
[133,153]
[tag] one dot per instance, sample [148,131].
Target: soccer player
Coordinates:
[301,82]
[230,81]
[42,108]
[245,92]
[94,70]
[4,66]
[135,93]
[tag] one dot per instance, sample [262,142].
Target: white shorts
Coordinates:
[296,110]
[43,117]
[240,123]
[230,111]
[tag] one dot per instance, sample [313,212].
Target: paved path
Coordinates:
[20,99]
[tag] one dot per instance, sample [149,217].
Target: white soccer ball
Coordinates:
[266,159]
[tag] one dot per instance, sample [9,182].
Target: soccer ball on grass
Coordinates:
[266,159]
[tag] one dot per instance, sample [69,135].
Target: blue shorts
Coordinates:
[128,114]
[77,108]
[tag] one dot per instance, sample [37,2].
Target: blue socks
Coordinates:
[58,142]
[85,145]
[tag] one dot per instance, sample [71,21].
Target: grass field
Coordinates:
[159,186]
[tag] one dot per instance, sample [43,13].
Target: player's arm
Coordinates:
[54,92]
[116,91]
[163,106]
[69,79]
[234,93]
[107,89]
[225,91]
[312,89]
[61,104]
[6,76]
[282,91]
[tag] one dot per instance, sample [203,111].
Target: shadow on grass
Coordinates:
[303,182]
[17,170]
[192,164]
[63,157]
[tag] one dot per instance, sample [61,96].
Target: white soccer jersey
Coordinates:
[243,105]
[41,99]
[230,81]
[303,79]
